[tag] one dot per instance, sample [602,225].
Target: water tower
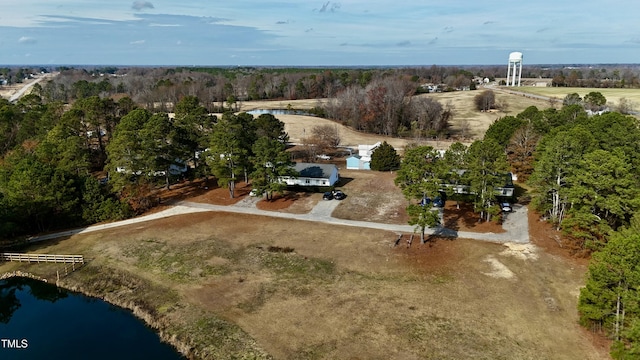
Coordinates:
[515,61]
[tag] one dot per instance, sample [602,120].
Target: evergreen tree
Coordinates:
[610,300]
[502,129]
[271,162]
[191,122]
[227,152]
[385,158]
[487,165]
[602,191]
[419,177]
[269,126]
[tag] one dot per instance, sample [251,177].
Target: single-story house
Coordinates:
[362,161]
[313,175]
[508,190]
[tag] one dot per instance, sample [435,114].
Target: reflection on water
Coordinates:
[41,321]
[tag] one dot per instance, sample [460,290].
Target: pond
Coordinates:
[259,112]
[41,321]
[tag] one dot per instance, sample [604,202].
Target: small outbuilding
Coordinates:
[362,161]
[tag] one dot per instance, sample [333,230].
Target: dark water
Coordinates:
[40,321]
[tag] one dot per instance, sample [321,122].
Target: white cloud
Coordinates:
[326,31]
[27,40]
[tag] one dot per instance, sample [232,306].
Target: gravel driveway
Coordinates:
[515,224]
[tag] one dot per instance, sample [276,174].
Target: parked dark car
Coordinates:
[327,196]
[438,201]
[425,201]
[338,195]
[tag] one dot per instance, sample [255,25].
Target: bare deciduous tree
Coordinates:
[326,137]
[486,100]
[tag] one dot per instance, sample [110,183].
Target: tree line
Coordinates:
[101,160]
[584,171]
[48,156]
[168,85]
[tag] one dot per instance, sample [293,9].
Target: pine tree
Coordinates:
[385,158]
[419,177]
[610,300]
[487,164]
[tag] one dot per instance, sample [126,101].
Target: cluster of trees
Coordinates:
[616,77]
[585,178]
[374,100]
[584,169]
[240,144]
[386,106]
[147,146]
[485,101]
[610,300]
[162,88]
[426,173]
[53,167]
[593,101]
[47,159]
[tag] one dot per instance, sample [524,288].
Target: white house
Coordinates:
[362,161]
[313,175]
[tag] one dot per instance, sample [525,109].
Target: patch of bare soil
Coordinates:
[371,196]
[203,191]
[465,219]
[291,202]
[544,235]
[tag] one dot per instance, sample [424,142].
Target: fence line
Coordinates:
[42,258]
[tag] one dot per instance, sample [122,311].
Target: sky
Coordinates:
[317,33]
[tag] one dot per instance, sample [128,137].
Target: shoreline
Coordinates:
[157,323]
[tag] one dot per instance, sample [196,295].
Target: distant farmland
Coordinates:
[613,95]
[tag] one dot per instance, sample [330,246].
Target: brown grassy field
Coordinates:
[467,122]
[300,290]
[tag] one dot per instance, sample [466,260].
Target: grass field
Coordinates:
[467,122]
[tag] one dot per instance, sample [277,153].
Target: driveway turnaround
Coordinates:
[515,224]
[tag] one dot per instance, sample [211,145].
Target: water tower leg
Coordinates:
[520,74]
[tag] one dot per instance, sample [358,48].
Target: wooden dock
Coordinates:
[48,258]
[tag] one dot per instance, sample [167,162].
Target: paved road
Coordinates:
[516,223]
[28,86]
